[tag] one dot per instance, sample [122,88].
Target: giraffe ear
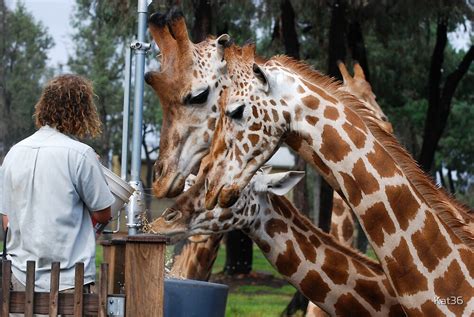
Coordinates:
[222,42]
[262,77]
[278,183]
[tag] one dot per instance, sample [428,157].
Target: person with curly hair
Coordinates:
[53,186]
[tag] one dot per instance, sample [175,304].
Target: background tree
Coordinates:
[24,44]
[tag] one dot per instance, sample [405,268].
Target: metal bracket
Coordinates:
[140,46]
[116,306]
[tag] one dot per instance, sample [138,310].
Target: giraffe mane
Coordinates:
[451,212]
[329,239]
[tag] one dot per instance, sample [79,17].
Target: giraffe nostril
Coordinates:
[171,215]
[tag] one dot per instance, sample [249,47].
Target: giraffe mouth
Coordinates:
[169,185]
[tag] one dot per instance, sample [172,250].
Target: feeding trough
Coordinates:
[190,298]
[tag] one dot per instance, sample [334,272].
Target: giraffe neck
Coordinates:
[331,275]
[401,227]
[196,259]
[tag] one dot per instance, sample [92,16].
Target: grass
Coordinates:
[255,300]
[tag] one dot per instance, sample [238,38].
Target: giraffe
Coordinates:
[188,85]
[338,279]
[285,100]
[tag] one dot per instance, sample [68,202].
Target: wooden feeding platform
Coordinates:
[131,283]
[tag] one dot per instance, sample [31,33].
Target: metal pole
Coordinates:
[126,112]
[137,202]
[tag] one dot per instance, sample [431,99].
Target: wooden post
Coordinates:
[29,288]
[6,280]
[54,290]
[144,275]
[114,255]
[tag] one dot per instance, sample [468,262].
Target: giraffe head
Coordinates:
[360,87]
[251,125]
[188,216]
[188,84]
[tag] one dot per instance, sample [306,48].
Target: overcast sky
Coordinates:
[55,15]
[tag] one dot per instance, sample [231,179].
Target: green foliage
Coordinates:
[24,46]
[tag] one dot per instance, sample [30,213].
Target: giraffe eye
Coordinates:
[237,113]
[199,99]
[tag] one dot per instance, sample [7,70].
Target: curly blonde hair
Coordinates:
[67,104]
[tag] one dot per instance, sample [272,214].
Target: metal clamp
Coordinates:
[140,46]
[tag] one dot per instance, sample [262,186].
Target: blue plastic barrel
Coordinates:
[190,298]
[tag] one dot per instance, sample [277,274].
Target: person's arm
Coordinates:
[4,222]
[102,216]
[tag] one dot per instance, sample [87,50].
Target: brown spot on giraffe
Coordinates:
[371,292]
[305,246]
[354,119]
[377,221]
[382,162]
[280,206]
[254,112]
[348,305]
[466,258]
[430,244]
[396,311]
[362,269]
[275,115]
[403,271]
[354,194]
[331,113]
[275,226]
[287,116]
[253,138]
[429,308]
[364,178]
[288,262]
[453,283]
[311,120]
[347,229]
[357,137]
[300,89]
[256,126]
[321,92]
[211,123]
[403,204]
[336,266]
[333,147]
[310,102]
[314,241]
[338,206]
[307,287]
[283,103]
[320,164]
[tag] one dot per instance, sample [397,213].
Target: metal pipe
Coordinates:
[126,112]
[136,205]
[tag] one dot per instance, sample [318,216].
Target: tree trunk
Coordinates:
[203,20]
[452,189]
[238,253]
[356,44]
[439,100]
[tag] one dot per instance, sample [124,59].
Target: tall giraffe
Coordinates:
[338,279]
[284,100]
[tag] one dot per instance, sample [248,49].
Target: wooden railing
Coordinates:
[133,265]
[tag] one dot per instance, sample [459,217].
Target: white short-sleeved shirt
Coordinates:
[50,182]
